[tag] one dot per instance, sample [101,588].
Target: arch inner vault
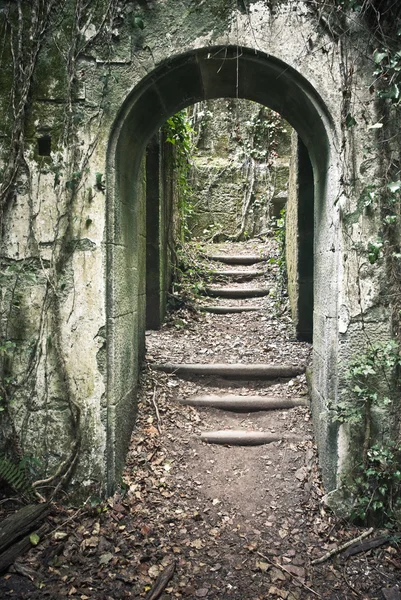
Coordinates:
[182,80]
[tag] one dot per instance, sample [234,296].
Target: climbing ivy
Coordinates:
[31,60]
[373,376]
[376,478]
[280,260]
[178,132]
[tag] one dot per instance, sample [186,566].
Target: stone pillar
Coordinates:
[299,238]
[153,251]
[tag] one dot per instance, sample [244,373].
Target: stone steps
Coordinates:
[223,310]
[239,437]
[237,259]
[231,402]
[227,292]
[234,371]
[235,275]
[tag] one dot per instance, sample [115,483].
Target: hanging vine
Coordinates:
[30,43]
[373,375]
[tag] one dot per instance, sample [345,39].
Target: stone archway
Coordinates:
[176,83]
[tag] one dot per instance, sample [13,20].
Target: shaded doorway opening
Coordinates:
[219,72]
[244,170]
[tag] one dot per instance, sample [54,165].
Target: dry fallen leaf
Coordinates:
[105,558]
[154,571]
[263,566]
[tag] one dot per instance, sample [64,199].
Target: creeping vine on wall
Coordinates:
[43,43]
[179,133]
[374,375]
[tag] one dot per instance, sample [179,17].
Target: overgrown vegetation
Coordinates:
[189,277]
[178,132]
[373,377]
[31,56]
[375,484]
[33,361]
[280,260]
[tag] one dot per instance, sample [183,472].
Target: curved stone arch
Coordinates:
[179,81]
[226,72]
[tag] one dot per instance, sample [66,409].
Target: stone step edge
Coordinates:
[238,437]
[226,292]
[239,274]
[229,309]
[237,259]
[233,370]
[235,403]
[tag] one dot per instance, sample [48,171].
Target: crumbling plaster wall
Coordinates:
[91,340]
[240,167]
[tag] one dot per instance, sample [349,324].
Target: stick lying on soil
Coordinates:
[370,544]
[18,548]
[338,549]
[21,522]
[275,564]
[161,582]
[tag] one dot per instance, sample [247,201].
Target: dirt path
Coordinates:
[240,523]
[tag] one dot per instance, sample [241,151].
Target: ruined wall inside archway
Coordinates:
[89,90]
[240,168]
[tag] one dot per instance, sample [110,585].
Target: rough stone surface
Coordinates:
[241,159]
[76,219]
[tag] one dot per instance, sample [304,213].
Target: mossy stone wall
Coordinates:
[241,158]
[101,88]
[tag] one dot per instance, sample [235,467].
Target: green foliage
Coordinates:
[374,250]
[189,278]
[73,183]
[99,182]
[350,121]
[376,482]
[18,475]
[265,128]
[179,133]
[378,362]
[137,21]
[280,260]
[377,487]
[388,68]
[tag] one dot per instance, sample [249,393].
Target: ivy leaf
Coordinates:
[394,186]
[376,126]
[378,56]
[34,539]
[393,92]
[138,22]
[350,121]
[391,219]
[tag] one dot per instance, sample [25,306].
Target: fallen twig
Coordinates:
[338,549]
[370,544]
[161,582]
[289,573]
[71,518]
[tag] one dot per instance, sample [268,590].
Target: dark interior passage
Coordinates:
[243,169]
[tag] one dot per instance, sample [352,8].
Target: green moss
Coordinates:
[50,79]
